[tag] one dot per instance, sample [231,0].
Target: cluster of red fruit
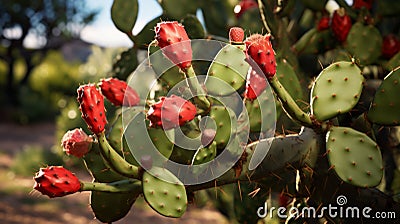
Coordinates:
[167,113]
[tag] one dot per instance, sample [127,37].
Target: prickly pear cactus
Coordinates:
[229,86]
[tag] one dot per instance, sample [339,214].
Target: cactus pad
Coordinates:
[364,42]
[167,198]
[143,140]
[110,207]
[230,67]
[124,14]
[336,90]
[354,157]
[206,154]
[225,120]
[385,108]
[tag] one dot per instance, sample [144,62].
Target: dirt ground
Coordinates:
[20,205]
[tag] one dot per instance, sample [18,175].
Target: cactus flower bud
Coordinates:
[76,142]
[92,108]
[359,4]
[323,23]
[243,6]
[236,35]
[259,51]
[56,181]
[341,24]
[390,46]
[171,112]
[174,43]
[118,92]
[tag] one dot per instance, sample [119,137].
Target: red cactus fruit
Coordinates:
[236,35]
[175,43]
[358,4]
[390,46]
[56,181]
[255,85]
[171,112]
[118,92]
[92,107]
[243,6]
[76,142]
[341,24]
[323,23]
[259,49]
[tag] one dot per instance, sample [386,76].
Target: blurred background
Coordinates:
[47,49]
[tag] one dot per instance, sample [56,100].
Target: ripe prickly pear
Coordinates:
[92,107]
[56,181]
[341,24]
[255,85]
[259,50]
[243,6]
[118,92]
[236,35]
[174,43]
[171,112]
[358,4]
[323,23]
[76,142]
[390,46]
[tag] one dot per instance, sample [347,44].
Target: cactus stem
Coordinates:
[197,91]
[114,187]
[115,161]
[289,104]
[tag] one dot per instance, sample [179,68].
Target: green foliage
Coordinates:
[31,158]
[124,14]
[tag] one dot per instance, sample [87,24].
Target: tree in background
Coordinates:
[49,22]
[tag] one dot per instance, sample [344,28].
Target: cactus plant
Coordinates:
[219,130]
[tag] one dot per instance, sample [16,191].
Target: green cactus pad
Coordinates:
[225,120]
[124,14]
[125,64]
[193,27]
[288,78]
[336,90]
[261,111]
[354,157]
[385,108]
[110,207]
[393,63]
[97,168]
[230,67]
[364,42]
[176,9]
[314,42]
[167,198]
[141,139]
[206,154]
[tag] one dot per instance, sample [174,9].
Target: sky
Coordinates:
[103,32]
